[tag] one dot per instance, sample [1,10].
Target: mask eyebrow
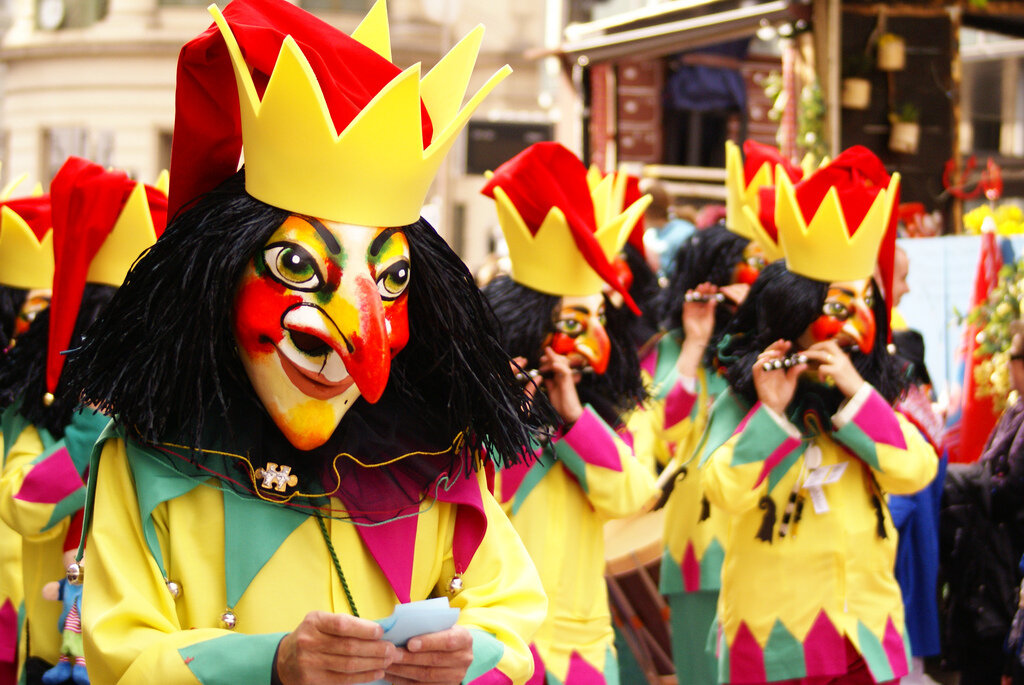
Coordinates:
[329,240]
[381,238]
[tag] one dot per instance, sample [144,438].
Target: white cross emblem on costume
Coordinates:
[276,479]
[819,476]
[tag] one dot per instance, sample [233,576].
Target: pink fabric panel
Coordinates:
[746,658]
[512,478]
[8,632]
[51,480]
[582,673]
[824,649]
[877,419]
[895,650]
[787,446]
[589,438]
[678,404]
[691,569]
[393,546]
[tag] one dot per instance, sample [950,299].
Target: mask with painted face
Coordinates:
[579,333]
[847,317]
[320,312]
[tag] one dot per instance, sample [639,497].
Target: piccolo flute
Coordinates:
[704,297]
[534,374]
[787,362]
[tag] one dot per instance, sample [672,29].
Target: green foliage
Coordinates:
[907,112]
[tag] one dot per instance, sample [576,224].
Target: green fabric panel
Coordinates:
[874,654]
[572,461]
[233,658]
[857,440]
[669,348]
[545,460]
[81,434]
[611,667]
[487,652]
[12,423]
[711,566]
[726,413]
[716,383]
[244,553]
[723,657]
[783,655]
[629,670]
[670,580]
[90,494]
[551,679]
[155,482]
[66,507]
[760,437]
[693,636]
[782,468]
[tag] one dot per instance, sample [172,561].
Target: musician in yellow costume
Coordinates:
[804,446]
[562,228]
[26,274]
[304,379]
[716,268]
[101,221]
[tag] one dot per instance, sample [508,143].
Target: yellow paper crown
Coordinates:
[25,261]
[550,262]
[373,173]
[739,194]
[132,234]
[824,249]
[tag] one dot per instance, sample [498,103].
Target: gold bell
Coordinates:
[48,399]
[173,588]
[455,586]
[75,573]
[228,619]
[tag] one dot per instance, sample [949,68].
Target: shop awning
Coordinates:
[671,27]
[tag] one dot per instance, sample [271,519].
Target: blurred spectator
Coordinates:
[665,231]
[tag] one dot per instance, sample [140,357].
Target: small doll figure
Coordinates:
[70,667]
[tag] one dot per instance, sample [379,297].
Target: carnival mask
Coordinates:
[847,317]
[579,332]
[319,313]
[36,301]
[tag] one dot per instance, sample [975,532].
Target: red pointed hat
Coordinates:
[547,177]
[102,221]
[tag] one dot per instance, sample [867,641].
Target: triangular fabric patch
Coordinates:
[824,649]
[746,658]
[783,655]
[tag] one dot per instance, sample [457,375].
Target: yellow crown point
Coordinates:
[549,261]
[163,181]
[25,261]
[133,234]
[374,31]
[770,247]
[739,193]
[594,176]
[9,189]
[376,171]
[824,249]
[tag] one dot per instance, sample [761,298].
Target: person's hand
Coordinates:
[776,387]
[333,648]
[442,657]
[531,383]
[699,317]
[834,365]
[561,386]
[735,292]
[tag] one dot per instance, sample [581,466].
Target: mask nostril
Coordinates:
[309,344]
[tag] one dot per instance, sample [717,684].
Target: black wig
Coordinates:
[645,291]
[782,305]
[527,317]
[709,255]
[23,370]
[11,302]
[163,358]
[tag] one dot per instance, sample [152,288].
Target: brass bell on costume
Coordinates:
[48,399]
[75,573]
[228,620]
[173,588]
[455,586]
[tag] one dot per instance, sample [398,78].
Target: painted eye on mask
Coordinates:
[570,327]
[292,266]
[393,281]
[837,310]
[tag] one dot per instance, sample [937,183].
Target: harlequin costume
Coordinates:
[26,266]
[562,229]
[695,531]
[101,222]
[807,580]
[320,382]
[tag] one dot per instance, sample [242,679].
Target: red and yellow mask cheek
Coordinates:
[35,302]
[319,313]
[580,334]
[847,316]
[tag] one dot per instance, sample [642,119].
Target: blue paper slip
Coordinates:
[417,618]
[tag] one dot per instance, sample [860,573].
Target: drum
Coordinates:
[633,552]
